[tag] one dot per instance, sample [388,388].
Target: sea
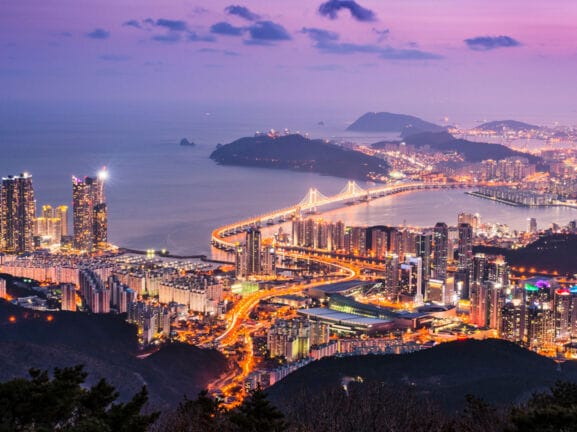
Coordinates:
[165,196]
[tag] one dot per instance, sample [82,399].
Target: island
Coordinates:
[298,153]
[404,124]
[185,142]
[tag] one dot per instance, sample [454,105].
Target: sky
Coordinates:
[435,58]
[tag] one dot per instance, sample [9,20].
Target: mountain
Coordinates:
[471,150]
[298,153]
[390,122]
[550,253]
[498,371]
[107,346]
[514,125]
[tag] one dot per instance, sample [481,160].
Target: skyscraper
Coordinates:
[89,212]
[441,250]
[18,214]
[253,252]
[465,257]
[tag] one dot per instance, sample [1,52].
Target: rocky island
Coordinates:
[298,153]
[185,142]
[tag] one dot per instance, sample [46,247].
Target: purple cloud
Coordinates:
[132,23]
[98,34]
[327,42]
[227,29]
[320,35]
[487,43]
[171,37]
[267,31]
[331,8]
[172,25]
[241,11]
[194,37]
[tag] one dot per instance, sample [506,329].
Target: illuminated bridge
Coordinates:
[314,199]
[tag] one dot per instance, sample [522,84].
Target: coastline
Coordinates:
[517,204]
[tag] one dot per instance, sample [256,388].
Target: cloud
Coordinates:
[331,8]
[114,57]
[328,43]
[98,34]
[486,43]
[64,34]
[241,11]
[263,32]
[172,25]
[227,29]
[132,23]
[218,51]
[194,37]
[171,37]
[320,35]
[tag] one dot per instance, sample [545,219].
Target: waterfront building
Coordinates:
[253,252]
[469,218]
[532,228]
[51,225]
[379,240]
[18,211]
[89,213]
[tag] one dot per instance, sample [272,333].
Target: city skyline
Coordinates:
[436,59]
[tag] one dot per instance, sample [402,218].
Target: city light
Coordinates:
[103,174]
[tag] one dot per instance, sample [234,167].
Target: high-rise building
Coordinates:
[18,214]
[253,252]
[532,228]
[440,251]
[61,213]
[89,212]
[68,302]
[423,249]
[3,293]
[465,257]
[51,225]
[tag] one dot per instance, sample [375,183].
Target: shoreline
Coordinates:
[517,204]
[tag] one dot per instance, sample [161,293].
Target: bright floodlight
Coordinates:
[103,174]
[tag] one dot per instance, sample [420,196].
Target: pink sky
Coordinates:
[525,66]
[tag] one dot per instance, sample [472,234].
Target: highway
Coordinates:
[232,384]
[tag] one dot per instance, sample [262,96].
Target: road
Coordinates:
[232,384]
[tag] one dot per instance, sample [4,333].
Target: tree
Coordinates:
[257,414]
[62,403]
[203,414]
[555,410]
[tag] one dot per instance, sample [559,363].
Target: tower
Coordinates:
[253,239]
[441,250]
[89,212]
[465,257]
[18,214]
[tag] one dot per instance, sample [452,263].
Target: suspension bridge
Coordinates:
[352,193]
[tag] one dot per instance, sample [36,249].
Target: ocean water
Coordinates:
[162,195]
